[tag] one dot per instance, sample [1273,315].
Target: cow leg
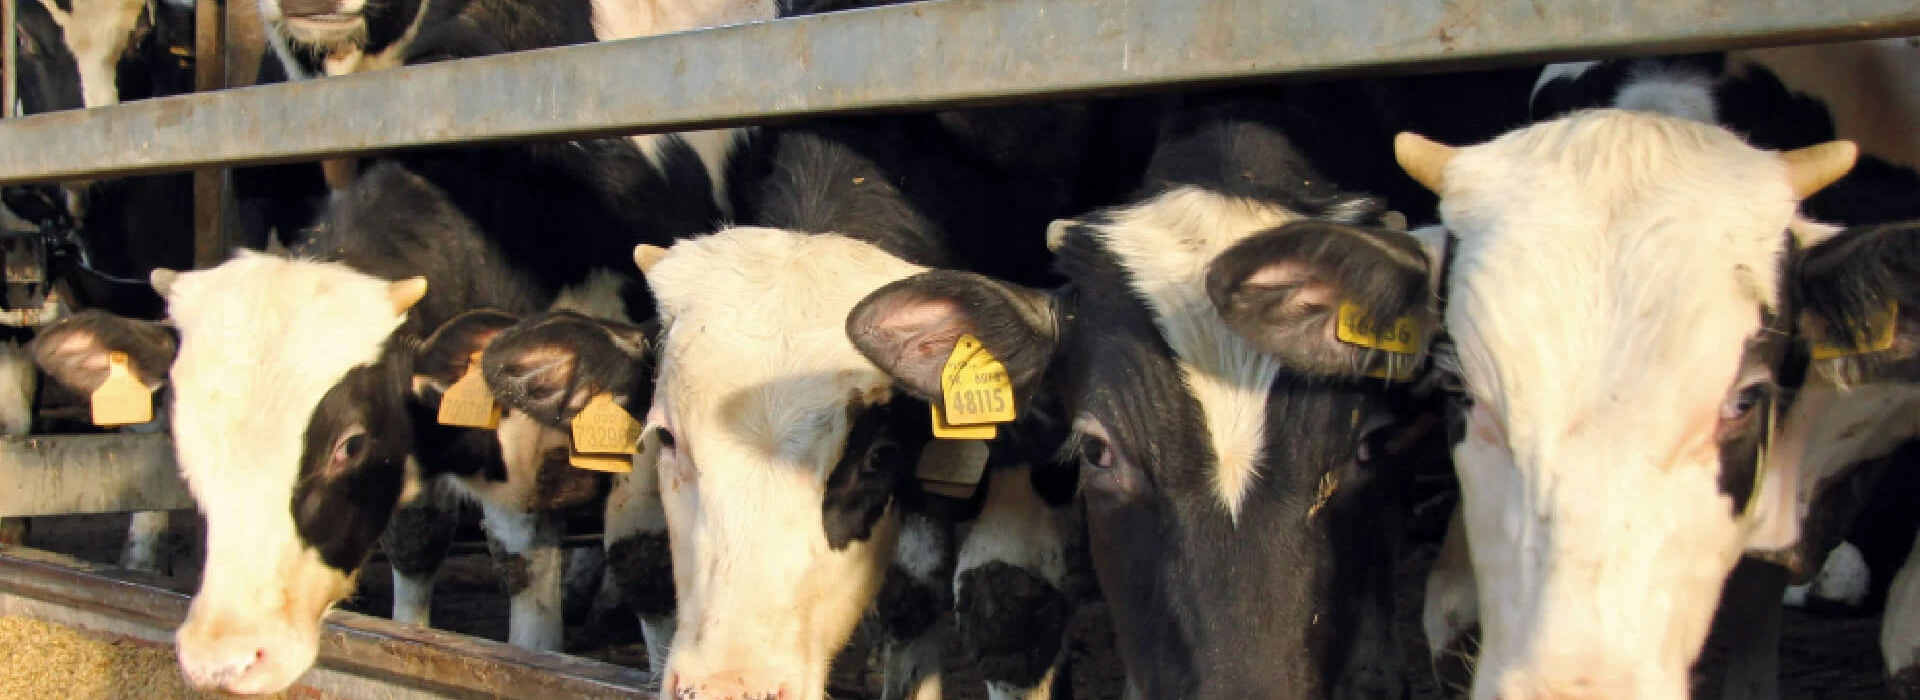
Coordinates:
[639,560]
[1451,615]
[148,546]
[1011,601]
[909,605]
[17,382]
[1751,608]
[417,540]
[1900,629]
[526,550]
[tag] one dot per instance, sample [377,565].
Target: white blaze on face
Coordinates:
[1166,244]
[1610,268]
[262,340]
[755,384]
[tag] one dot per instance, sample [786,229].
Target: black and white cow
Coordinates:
[1833,425]
[100,234]
[783,455]
[1240,494]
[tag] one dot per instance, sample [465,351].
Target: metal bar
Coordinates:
[65,474]
[9,58]
[211,243]
[950,53]
[360,656]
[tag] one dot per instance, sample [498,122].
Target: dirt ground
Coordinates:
[1823,658]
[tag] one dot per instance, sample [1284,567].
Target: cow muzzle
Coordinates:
[226,654]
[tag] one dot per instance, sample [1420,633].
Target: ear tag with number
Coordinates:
[948,431]
[1876,334]
[976,387]
[952,468]
[122,399]
[605,436]
[1355,326]
[468,403]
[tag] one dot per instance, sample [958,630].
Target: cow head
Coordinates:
[1621,310]
[291,428]
[1230,444]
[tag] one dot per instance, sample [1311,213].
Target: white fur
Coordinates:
[262,339]
[1452,602]
[413,599]
[1900,625]
[911,668]
[1166,244]
[756,377]
[1555,71]
[534,614]
[96,32]
[1844,579]
[1599,320]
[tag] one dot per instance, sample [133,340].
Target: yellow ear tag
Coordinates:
[948,431]
[952,468]
[468,403]
[975,384]
[1877,332]
[1355,322]
[604,436]
[121,400]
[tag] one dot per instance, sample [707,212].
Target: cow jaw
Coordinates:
[1610,270]
[761,390]
[262,340]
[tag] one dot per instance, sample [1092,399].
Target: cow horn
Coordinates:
[1815,167]
[1057,233]
[1423,159]
[405,293]
[646,255]
[162,280]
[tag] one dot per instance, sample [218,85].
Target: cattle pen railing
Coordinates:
[917,56]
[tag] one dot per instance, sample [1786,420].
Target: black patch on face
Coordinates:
[418,538]
[876,465]
[907,610]
[1283,589]
[1011,622]
[642,564]
[340,512]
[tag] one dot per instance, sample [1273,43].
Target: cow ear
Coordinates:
[550,365]
[444,357]
[909,327]
[74,351]
[1283,290]
[1846,285]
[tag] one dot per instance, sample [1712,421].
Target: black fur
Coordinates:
[643,566]
[876,463]
[418,537]
[73,351]
[1012,622]
[1847,281]
[340,510]
[551,364]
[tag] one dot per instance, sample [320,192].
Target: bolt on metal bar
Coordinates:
[916,56]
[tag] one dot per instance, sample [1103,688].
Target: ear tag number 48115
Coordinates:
[977,394]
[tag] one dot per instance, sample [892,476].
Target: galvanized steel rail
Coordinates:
[942,54]
[360,656]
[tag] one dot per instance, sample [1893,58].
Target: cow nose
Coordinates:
[221,674]
[723,686]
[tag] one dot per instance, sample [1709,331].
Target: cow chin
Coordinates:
[1598,573]
[258,638]
[766,604]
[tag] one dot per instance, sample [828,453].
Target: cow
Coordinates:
[1236,461]
[1745,94]
[102,237]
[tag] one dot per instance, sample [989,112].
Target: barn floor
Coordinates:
[1824,658]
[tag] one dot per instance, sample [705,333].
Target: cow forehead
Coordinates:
[1610,266]
[262,340]
[755,333]
[1166,245]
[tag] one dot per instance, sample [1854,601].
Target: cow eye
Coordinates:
[348,451]
[1096,453]
[1742,402]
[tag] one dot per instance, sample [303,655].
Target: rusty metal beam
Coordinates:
[67,474]
[212,242]
[360,656]
[9,58]
[948,53]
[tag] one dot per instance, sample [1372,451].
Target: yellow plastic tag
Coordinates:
[1352,329]
[976,388]
[952,468]
[605,428]
[468,403]
[948,431]
[121,400]
[617,463]
[1878,333]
